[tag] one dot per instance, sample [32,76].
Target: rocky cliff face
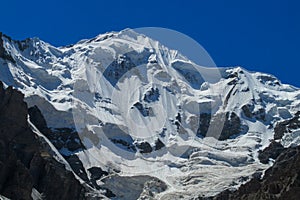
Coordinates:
[3,53]
[27,168]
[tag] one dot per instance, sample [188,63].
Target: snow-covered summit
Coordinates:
[142,110]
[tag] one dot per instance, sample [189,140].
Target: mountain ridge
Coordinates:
[129,107]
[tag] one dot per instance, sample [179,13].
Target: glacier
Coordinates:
[157,125]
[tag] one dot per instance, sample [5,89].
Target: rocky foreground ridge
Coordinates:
[27,165]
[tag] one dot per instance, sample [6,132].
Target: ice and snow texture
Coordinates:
[123,92]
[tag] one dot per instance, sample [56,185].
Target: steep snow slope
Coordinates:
[143,111]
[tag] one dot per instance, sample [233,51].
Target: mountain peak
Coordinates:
[121,107]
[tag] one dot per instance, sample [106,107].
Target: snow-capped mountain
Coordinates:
[134,119]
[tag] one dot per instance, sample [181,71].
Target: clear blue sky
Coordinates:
[258,35]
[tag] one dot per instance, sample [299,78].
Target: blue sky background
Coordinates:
[258,35]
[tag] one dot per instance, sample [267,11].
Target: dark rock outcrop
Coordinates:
[3,53]
[249,112]
[25,160]
[286,126]
[158,144]
[38,119]
[144,147]
[204,122]
[144,109]
[272,151]
[230,121]
[77,166]
[96,174]
[275,148]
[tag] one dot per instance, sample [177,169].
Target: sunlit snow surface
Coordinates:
[94,85]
